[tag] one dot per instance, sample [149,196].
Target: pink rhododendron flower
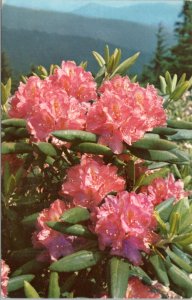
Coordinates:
[161,189]
[137,289]
[89,182]
[124,112]
[4,278]
[125,223]
[75,81]
[55,243]
[57,102]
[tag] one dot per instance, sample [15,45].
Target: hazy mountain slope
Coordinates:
[25,48]
[124,34]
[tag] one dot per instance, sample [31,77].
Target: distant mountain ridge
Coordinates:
[146,13]
[38,36]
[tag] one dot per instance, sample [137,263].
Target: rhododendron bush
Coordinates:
[96,189]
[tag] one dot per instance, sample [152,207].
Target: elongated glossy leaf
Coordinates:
[24,255]
[77,261]
[107,54]
[164,130]
[46,148]
[125,65]
[179,261]
[165,208]
[186,257]
[182,135]
[14,122]
[154,155]
[32,266]
[75,215]
[183,239]
[159,269]
[21,133]
[75,136]
[157,165]
[154,144]
[163,84]
[147,179]
[180,278]
[54,289]
[179,124]
[16,283]
[180,90]
[29,290]
[76,229]
[118,277]
[182,157]
[30,220]
[141,274]
[98,58]
[93,149]
[8,148]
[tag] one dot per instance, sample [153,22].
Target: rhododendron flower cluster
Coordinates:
[125,223]
[4,278]
[55,243]
[89,182]
[58,102]
[124,112]
[136,289]
[161,189]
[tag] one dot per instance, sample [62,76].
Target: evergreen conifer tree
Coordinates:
[180,58]
[157,65]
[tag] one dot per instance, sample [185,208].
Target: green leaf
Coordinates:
[30,220]
[125,65]
[14,122]
[157,165]
[154,155]
[24,255]
[164,130]
[93,149]
[174,82]
[154,144]
[165,208]
[146,179]
[77,261]
[46,148]
[118,277]
[186,257]
[174,223]
[107,55]
[32,266]
[29,290]
[142,275]
[179,261]
[182,157]
[98,58]
[54,289]
[163,84]
[75,136]
[159,268]
[16,283]
[169,82]
[76,230]
[180,90]
[9,148]
[179,124]
[183,239]
[75,215]
[181,135]
[180,278]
